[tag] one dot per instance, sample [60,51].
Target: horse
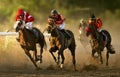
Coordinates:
[100,40]
[28,41]
[58,42]
[81,28]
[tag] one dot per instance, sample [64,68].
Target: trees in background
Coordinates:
[68,7]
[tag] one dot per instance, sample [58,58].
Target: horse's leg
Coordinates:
[41,51]
[63,58]
[100,55]
[29,55]
[107,54]
[51,50]
[72,49]
[107,57]
[61,49]
[35,53]
[93,52]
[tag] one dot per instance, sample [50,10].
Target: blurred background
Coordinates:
[73,10]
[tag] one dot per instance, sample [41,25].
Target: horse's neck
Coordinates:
[26,35]
[94,30]
[55,33]
[22,37]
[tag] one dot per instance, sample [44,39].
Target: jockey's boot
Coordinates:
[34,32]
[67,35]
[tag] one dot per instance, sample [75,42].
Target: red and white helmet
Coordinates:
[20,12]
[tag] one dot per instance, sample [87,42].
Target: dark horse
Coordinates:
[28,41]
[100,40]
[59,42]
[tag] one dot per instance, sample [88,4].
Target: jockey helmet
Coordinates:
[20,12]
[54,11]
[93,16]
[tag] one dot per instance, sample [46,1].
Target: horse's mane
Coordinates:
[93,30]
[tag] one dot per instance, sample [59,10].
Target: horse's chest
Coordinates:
[28,46]
[54,41]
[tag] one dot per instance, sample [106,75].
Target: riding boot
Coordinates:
[67,35]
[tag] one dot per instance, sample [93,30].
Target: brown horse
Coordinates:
[100,40]
[59,42]
[28,41]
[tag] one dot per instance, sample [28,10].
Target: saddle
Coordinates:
[66,34]
[104,36]
[35,33]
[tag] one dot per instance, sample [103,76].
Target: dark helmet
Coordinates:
[93,16]
[54,11]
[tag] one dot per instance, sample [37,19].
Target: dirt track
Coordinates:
[60,73]
[14,63]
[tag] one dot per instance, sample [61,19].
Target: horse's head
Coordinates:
[19,25]
[50,25]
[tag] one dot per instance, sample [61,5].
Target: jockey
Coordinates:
[98,24]
[26,18]
[96,21]
[59,20]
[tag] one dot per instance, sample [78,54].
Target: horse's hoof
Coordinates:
[75,70]
[100,62]
[57,62]
[106,64]
[40,61]
[61,66]
[36,60]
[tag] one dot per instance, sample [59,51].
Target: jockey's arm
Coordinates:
[59,22]
[31,19]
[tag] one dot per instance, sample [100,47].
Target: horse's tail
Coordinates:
[109,39]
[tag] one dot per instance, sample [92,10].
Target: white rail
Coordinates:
[8,33]
[15,34]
